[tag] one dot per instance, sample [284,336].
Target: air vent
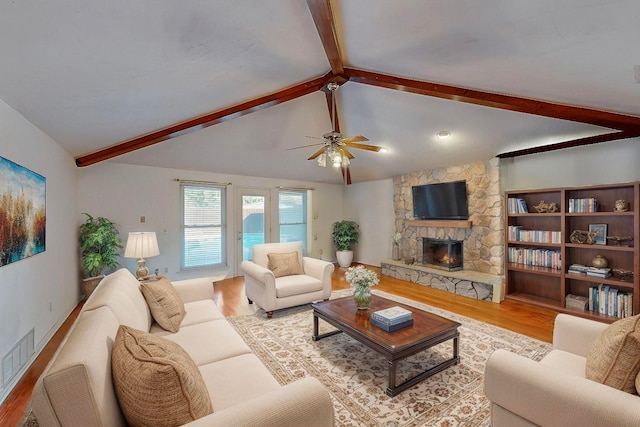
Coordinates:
[17,358]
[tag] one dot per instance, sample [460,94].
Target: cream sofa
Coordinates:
[76,388]
[311,283]
[555,391]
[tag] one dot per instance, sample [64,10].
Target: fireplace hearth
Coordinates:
[445,254]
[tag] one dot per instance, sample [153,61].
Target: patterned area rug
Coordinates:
[357,376]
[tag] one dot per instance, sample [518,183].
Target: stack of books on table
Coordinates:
[391,319]
[579,269]
[577,302]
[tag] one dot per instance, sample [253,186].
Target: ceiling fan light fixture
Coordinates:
[443,134]
[322,160]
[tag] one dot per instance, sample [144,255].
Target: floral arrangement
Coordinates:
[361,277]
[396,237]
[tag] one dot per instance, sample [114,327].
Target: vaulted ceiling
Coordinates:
[231,86]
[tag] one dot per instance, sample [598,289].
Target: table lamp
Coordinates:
[141,245]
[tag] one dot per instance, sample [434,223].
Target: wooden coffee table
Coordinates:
[427,330]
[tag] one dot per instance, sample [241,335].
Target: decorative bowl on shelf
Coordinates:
[620,241]
[622,274]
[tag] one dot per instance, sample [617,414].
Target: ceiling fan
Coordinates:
[334,145]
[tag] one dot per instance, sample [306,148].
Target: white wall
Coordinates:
[605,163]
[123,193]
[39,292]
[370,204]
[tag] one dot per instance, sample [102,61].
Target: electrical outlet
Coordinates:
[320,251]
[142,219]
[166,270]
[315,236]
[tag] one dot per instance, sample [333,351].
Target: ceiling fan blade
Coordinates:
[350,139]
[317,153]
[305,146]
[346,153]
[363,146]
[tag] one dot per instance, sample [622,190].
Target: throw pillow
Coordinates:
[156,381]
[164,302]
[284,264]
[614,357]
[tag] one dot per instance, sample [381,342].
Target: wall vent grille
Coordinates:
[17,358]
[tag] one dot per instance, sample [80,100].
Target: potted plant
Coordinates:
[99,245]
[345,234]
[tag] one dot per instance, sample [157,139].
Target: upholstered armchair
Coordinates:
[556,390]
[280,277]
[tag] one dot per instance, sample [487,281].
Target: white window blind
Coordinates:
[203,225]
[292,213]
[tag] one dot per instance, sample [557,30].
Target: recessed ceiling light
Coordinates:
[443,134]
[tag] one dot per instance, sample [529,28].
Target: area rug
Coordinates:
[356,376]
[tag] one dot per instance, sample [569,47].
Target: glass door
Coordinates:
[253,223]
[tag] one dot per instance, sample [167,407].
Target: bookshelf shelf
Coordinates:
[548,287]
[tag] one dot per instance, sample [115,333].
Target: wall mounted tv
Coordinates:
[445,200]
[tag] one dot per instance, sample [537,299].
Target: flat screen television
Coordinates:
[445,200]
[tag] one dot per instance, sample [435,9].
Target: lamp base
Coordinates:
[142,270]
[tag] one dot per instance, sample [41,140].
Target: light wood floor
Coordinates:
[229,295]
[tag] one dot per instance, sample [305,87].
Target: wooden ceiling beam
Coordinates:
[325,24]
[204,121]
[505,102]
[569,144]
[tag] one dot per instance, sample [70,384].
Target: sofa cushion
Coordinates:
[156,381]
[614,358]
[297,285]
[164,302]
[284,264]
[120,292]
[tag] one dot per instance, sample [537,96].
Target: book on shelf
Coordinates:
[610,301]
[588,204]
[516,205]
[391,316]
[584,270]
[390,327]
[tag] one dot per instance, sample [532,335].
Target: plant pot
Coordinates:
[89,285]
[344,258]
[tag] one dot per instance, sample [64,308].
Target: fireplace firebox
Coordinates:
[445,254]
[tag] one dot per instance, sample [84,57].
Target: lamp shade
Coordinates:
[141,245]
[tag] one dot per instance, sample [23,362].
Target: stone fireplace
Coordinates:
[444,254]
[480,239]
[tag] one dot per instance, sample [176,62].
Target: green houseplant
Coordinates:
[99,245]
[345,234]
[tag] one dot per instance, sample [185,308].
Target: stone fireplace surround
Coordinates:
[483,247]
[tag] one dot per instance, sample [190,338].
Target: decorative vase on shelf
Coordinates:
[395,252]
[360,280]
[599,261]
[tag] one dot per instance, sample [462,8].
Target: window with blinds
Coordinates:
[292,209]
[203,225]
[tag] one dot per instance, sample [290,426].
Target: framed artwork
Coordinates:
[601,233]
[22,212]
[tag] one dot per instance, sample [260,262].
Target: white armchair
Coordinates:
[555,391]
[274,293]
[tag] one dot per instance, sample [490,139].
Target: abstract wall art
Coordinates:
[22,212]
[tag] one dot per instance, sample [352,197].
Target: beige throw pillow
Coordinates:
[164,302]
[614,358]
[284,264]
[156,381]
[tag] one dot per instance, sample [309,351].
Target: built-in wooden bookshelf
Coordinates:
[548,285]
